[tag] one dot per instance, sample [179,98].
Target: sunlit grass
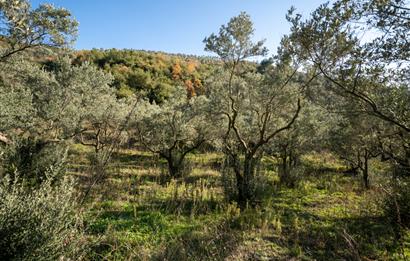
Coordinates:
[139,216]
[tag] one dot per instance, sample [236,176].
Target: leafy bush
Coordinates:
[33,158]
[397,203]
[39,223]
[292,177]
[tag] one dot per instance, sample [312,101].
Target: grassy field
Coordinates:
[135,215]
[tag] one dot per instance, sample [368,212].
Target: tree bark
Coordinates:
[245,180]
[175,165]
[366,170]
[284,171]
[173,168]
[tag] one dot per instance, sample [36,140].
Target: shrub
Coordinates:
[397,203]
[33,158]
[292,177]
[40,223]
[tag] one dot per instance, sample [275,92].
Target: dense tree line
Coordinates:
[155,74]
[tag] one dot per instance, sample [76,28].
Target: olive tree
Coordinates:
[41,110]
[53,104]
[354,140]
[106,121]
[252,108]
[360,48]
[174,128]
[23,28]
[310,133]
[105,129]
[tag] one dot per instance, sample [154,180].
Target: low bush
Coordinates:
[397,202]
[292,176]
[33,158]
[39,223]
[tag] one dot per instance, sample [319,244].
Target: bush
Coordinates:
[40,223]
[33,158]
[397,203]
[292,177]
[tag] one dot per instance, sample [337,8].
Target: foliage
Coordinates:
[22,27]
[32,159]
[396,203]
[373,73]
[247,104]
[41,223]
[311,132]
[53,104]
[333,101]
[234,43]
[173,129]
[152,74]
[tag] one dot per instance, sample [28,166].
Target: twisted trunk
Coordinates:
[175,163]
[365,170]
[175,167]
[245,175]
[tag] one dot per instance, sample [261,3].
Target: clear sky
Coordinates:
[175,26]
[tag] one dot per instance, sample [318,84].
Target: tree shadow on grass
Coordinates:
[134,158]
[186,207]
[174,240]
[214,242]
[209,177]
[310,236]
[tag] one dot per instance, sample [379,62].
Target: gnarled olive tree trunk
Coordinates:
[175,163]
[245,171]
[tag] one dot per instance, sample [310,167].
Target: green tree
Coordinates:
[54,105]
[252,108]
[22,27]
[360,48]
[310,133]
[354,139]
[173,129]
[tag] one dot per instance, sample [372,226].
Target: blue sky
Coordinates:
[175,26]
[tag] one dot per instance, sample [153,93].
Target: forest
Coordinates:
[122,154]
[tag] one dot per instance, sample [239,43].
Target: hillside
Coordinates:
[153,73]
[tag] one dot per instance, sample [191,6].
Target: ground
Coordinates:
[135,215]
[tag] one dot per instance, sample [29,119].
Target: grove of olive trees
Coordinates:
[134,155]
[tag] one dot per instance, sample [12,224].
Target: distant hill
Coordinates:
[152,73]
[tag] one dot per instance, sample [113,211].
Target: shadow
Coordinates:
[175,241]
[150,177]
[215,242]
[186,207]
[134,159]
[210,178]
[310,236]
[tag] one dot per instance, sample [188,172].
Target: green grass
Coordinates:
[327,216]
